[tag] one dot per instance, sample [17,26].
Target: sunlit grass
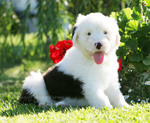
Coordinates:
[12,111]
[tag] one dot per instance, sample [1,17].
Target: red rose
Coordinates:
[58,51]
[120,65]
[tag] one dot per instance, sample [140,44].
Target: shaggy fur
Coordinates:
[88,73]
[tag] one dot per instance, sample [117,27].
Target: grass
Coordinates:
[12,111]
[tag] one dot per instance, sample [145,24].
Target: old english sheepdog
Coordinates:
[87,75]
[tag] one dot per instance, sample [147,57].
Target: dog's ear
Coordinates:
[80,18]
[117,44]
[73,31]
[74,35]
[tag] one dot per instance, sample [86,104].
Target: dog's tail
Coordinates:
[27,98]
[34,90]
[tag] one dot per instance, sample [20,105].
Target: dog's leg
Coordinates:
[72,102]
[115,96]
[61,103]
[34,86]
[97,98]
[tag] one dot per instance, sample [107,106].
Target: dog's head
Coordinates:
[96,35]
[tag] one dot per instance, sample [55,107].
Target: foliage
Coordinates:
[135,32]
[9,22]
[117,5]
[51,17]
[84,7]
[12,51]
[55,19]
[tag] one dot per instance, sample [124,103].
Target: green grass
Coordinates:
[11,111]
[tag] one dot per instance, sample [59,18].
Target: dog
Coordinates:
[87,75]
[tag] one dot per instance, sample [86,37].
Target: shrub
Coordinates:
[135,50]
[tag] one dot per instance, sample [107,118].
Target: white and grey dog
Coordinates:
[87,75]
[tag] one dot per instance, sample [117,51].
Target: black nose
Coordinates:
[98,45]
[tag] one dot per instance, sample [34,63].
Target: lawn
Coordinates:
[12,111]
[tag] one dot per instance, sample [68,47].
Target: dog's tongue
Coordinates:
[98,57]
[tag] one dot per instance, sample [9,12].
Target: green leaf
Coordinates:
[148,13]
[8,27]
[122,51]
[147,2]
[132,43]
[114,15]
[136,57]
[132,26]
[136,13]
[126,14]
[123,38]
[144,43]
[139,66]
[146,61]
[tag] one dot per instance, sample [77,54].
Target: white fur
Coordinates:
[73,102]
[101,87]
[34,83]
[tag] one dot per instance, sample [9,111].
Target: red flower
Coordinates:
[58,51]
[120,65]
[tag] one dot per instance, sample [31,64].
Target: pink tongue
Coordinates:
[98,57]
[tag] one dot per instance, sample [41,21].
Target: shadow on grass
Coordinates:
[26,109]
[9,105]
[8,80]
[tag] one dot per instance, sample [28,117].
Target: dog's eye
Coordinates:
[105,32]
[88,33]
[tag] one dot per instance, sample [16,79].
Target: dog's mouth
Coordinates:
[98,57]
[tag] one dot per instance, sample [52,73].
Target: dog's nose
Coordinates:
[98,45]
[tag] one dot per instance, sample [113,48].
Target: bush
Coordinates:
[135,50]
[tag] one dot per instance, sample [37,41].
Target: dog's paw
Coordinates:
[102,106]
[109,107]
[61,103]
[122,105]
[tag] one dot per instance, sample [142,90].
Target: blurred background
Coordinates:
[28,27]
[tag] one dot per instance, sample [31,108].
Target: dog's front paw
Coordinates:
[61,103]
[124,104]
[102,106]
[109,107]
